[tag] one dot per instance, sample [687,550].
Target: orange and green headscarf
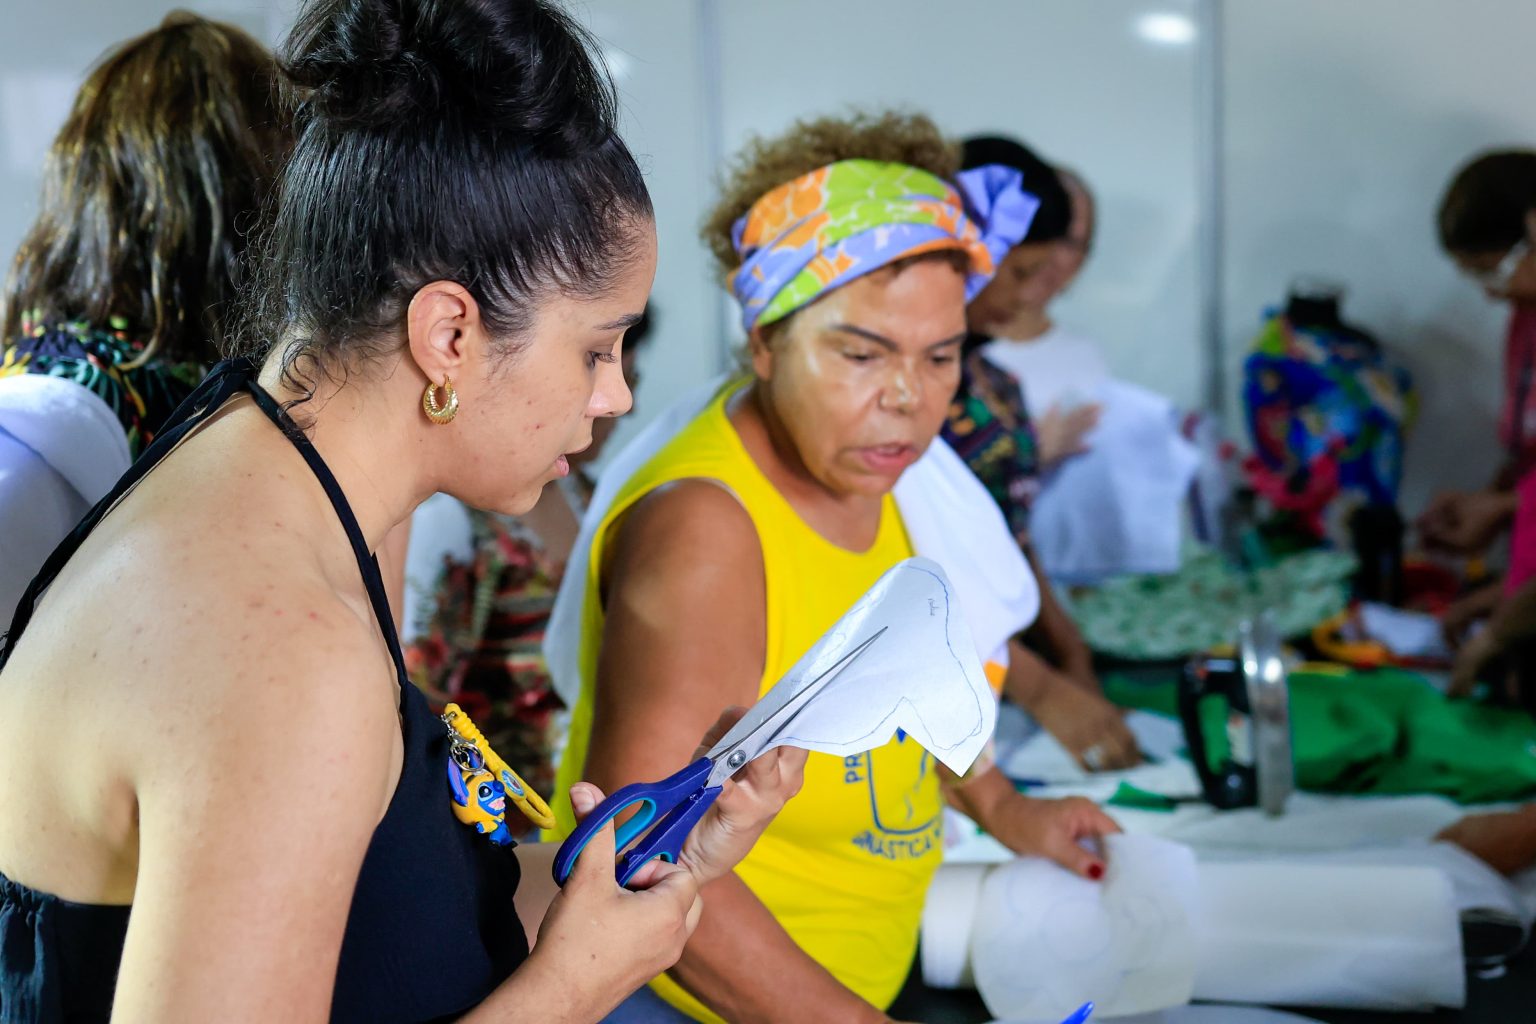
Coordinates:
[840,222]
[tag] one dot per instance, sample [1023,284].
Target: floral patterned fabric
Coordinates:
[1316,396]
[1155,618]
[842,221]
[483,646]
[988,426]
[143,397]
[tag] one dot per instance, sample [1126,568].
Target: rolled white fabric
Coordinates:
[1046,941]
[1378,937]
[1163,929]
[954,897]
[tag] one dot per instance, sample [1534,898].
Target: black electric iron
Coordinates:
[1256,769]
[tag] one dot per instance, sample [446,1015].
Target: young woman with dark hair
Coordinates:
[235,805]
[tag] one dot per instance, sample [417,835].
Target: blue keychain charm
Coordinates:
[479,798]
[482,783]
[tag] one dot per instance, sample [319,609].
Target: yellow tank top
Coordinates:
[845,866]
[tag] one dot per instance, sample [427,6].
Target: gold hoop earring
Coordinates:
[444,413]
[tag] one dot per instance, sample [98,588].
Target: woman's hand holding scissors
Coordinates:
[749,802]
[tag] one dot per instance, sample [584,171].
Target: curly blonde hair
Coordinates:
[765,164]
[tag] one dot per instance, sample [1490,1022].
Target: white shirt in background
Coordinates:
[1058,369]
[61,450]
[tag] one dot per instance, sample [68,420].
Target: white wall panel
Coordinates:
[1344,121]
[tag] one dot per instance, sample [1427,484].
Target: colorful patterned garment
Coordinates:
[483,647]
[1315,395]
[1163,618]
[988,426]
[840,222]
[142,396]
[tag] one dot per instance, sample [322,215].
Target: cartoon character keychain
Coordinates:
[482,783]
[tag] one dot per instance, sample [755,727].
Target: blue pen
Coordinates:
[1083,1013]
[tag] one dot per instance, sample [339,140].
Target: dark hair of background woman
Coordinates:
[473,141]
[168,151]
[1484,207]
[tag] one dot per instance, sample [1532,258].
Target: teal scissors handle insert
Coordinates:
[683,798]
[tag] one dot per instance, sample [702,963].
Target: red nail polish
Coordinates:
[1096,871]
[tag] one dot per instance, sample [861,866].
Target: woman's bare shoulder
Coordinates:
[178,642]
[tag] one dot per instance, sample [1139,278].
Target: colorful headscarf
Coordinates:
[842,221]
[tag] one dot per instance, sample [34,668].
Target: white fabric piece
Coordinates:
[1059,369]
[1046,941]
[440,529]
[1211,494]
[1407,634]
[1366,931]
[952,520]
[1474,884]
[949,516]
[1042,759]
[1118,507]
[61,450]
[66,424]
[1368,937]
[38,508]
[949,917]
[1365,858]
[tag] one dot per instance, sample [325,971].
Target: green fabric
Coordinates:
[1140,799]
[1384,732]
[1155,618]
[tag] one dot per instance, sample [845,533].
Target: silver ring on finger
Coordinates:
[1093,757]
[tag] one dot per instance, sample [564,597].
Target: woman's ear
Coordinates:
[442,325]
[760,351]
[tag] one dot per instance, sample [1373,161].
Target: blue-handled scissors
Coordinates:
[1081,1016]
[685,797]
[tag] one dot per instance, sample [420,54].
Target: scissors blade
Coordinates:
[768,718]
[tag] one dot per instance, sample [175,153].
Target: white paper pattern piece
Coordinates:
[1407,634]
[1119,507]
[921,676]
[1046,941]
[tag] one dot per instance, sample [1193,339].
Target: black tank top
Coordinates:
[432,929]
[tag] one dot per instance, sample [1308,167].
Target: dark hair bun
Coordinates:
[520,66]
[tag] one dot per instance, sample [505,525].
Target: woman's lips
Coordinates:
[888,459]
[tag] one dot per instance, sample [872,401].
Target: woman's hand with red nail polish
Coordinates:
[1066,831]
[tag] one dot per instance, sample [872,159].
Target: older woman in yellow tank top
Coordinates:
[852,249]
